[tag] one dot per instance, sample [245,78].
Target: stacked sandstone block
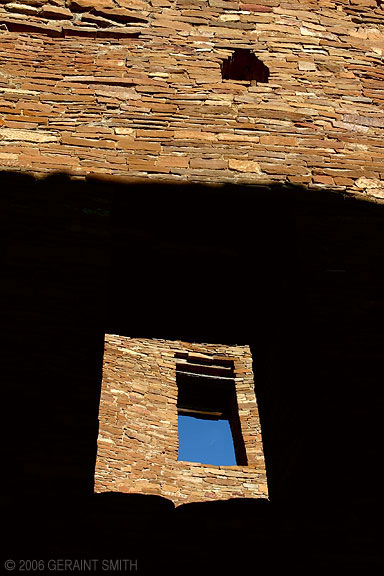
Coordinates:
[133,89]
[138,434]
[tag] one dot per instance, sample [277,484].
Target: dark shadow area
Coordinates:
[227,535]
[243,64]
[296,274]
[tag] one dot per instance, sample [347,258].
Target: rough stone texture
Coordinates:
[134,89]
[138,434]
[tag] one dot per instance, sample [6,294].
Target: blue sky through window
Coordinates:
[206,441]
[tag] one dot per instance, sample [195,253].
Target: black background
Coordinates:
[297,274]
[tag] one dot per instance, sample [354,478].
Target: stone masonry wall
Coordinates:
[133,89]
[138,434]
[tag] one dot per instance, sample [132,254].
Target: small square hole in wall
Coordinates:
[244,65]
[208,421]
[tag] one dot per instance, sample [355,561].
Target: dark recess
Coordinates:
[244,65]
[294,273]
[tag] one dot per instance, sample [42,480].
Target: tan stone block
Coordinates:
[164,107]
[134,4]
[91,4]
[287,141]
[36,107]
[20,125]
[255,7]
[193,135]
[175,24]
[300,179]
[30,2]
[306,66]
[122,131]
[56,12]
[133,144]
[372,186]
[173,161]
[322,179]
[34,136]
[22,8]
[143,166]
[209,164]
[68,99]
[8,159]
[342,181]
[154,133]
[88,142]
[243,138]
[244,166]
[284,169]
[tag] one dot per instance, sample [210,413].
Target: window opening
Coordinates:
[208,418]
[206,441]
[244,65]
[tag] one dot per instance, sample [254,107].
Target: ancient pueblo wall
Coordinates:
[134,89]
